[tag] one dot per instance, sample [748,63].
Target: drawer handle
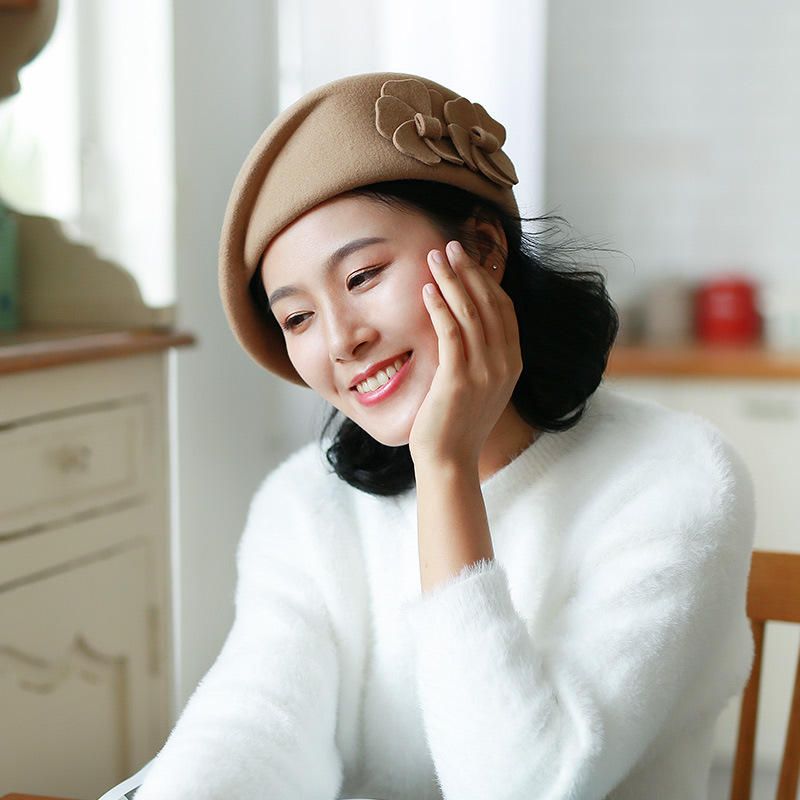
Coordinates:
[75,459]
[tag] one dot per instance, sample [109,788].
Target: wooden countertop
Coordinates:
[36,348]
[703,361]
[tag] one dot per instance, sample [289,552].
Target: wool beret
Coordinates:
[350,132]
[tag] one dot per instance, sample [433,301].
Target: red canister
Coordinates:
[726,311]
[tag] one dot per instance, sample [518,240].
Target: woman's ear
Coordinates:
[490,240]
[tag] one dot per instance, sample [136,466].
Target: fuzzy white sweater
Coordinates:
[590,659]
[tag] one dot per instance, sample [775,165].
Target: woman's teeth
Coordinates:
[381,376]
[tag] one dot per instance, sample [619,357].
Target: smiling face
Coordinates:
[363,310]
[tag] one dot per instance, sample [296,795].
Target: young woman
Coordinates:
[497,578]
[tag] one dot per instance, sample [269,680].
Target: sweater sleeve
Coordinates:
[261,721]
[565,707]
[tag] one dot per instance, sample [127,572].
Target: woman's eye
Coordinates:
[367,273]
[293,322]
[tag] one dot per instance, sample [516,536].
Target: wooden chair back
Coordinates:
[773,594]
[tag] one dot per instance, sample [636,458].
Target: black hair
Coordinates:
[567,325]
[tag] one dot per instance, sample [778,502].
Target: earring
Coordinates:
[494,266]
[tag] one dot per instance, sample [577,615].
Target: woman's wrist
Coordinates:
[444,467]
[452,526]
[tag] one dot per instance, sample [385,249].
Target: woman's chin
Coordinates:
[390,427]
[390,435]
[392,442]
[397,437]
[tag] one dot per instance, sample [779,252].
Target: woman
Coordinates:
[498,579]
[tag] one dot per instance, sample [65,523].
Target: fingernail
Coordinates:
[455,248]
[436,256]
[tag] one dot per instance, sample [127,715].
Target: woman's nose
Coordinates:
[346,334]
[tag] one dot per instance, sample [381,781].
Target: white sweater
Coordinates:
[590,659]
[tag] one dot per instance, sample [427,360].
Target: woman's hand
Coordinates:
[479,361]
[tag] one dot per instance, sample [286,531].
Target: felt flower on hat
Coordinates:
[411,115]
[478,139]
[420,124]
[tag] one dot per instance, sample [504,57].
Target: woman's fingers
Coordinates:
[459,307]
[482,290]
[499,316]
[506,312]
[448,332]
[474,311]
[508,320]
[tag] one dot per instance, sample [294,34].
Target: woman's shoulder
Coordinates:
[661,433]
[303,479]
[661,483]
[306,461]
[297,508]
[663,449]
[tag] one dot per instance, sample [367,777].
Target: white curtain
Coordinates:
[128,182]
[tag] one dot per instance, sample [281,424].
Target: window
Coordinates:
[88,139]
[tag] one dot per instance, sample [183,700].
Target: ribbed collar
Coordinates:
[527,467]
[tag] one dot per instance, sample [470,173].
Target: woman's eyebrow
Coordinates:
[333,261]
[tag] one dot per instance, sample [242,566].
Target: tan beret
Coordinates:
[357,130]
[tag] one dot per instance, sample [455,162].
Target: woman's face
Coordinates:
[363,309]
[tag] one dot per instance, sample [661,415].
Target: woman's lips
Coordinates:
[388,388]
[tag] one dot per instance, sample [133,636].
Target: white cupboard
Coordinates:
[86,672]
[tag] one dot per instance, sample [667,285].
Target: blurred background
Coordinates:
[664,133]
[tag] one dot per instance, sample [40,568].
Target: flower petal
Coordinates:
[410,91]
[444,148]
[489,169]
[461,139]
[460,112]
[503,164]
[390,114]
[408,141]
[490,124]
[437,106]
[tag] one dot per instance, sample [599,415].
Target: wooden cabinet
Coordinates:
[86,671]
[82,681]
[753,397]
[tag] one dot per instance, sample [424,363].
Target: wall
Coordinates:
[223,413]
[672,132]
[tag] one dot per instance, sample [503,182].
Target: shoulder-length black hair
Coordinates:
[567,326]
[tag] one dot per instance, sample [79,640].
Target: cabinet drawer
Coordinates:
[53,468]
